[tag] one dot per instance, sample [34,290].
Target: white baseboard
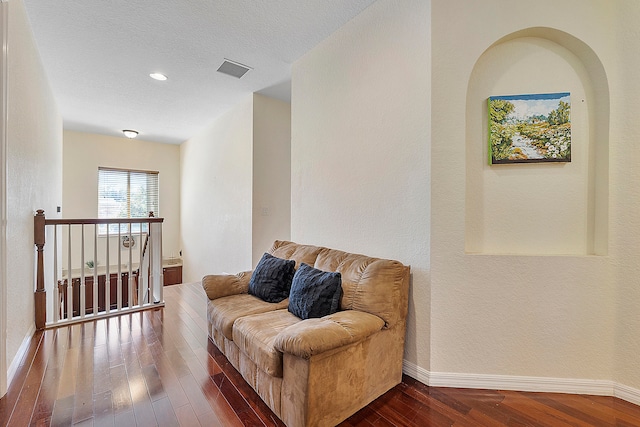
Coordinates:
[520,383]
[627,393]
[416,372]
[15,363]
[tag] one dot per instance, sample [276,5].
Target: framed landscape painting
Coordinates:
[530,128]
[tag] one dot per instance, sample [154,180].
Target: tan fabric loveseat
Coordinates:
[319,371]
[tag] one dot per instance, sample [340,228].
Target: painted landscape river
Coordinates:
[530,128]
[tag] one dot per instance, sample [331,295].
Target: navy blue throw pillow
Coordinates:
[271,280]
[314,293]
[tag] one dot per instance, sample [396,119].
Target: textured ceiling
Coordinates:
[98,55]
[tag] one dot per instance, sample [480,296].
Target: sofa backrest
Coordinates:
[296,252]
[373,285]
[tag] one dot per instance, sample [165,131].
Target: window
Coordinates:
[126,194]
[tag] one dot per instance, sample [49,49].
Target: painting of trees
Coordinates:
[530,128]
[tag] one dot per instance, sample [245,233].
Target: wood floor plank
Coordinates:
[68,378]
[186,417]
[113,341]
[223,411]
[178,364]
[100,332]
[619,413]
[387,407]
[240,406]
[423,393]
[85,423]
[154,384]
[578,411]
[432,397]
[125,419]
[101,369]
[28,404]
[62,412]
[210,420]
[362,418]
[535,412]
[144,413]
[120,394]
[619,407]
[169,379]
[196,398]
[165,415]
[83,403]
[49,388]
[103,413]
[484,404]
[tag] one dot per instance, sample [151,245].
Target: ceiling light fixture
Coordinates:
[130,133]
[158,76]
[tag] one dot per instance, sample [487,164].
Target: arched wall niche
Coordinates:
[539,208]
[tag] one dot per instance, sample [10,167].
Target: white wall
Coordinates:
[216,195]
[360,147]
[271,173]
[542,315]
[625,192]
[236,188]
[34,157]
[85,152]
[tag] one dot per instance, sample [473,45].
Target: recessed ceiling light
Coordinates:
[158,76]
[130,133]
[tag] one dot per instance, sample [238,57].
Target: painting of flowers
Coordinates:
[530,128]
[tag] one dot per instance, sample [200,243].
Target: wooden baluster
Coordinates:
[95,270]
[40,295]
[119,279]
[56,290]
[130,287]
[107,282]
[69,278]
[139,280]
[83,296]
[155,262]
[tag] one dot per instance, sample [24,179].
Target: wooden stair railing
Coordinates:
[148,276]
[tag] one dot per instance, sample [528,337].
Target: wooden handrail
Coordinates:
[102,221]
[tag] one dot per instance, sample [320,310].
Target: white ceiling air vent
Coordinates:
[234,69]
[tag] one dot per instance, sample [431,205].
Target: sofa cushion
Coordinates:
[222,312]
[314,293]
[223,285]
[254,335]
[316,336]
[271,280]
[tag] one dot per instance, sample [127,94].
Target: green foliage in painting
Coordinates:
[499,109]
[561,115]
[500,132]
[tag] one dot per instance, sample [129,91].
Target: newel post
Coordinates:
[40,294]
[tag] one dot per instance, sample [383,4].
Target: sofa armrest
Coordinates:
[223,285]
[315,336]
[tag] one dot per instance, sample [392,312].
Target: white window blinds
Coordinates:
[127,193]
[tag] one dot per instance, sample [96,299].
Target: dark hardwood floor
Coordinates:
[158,368]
